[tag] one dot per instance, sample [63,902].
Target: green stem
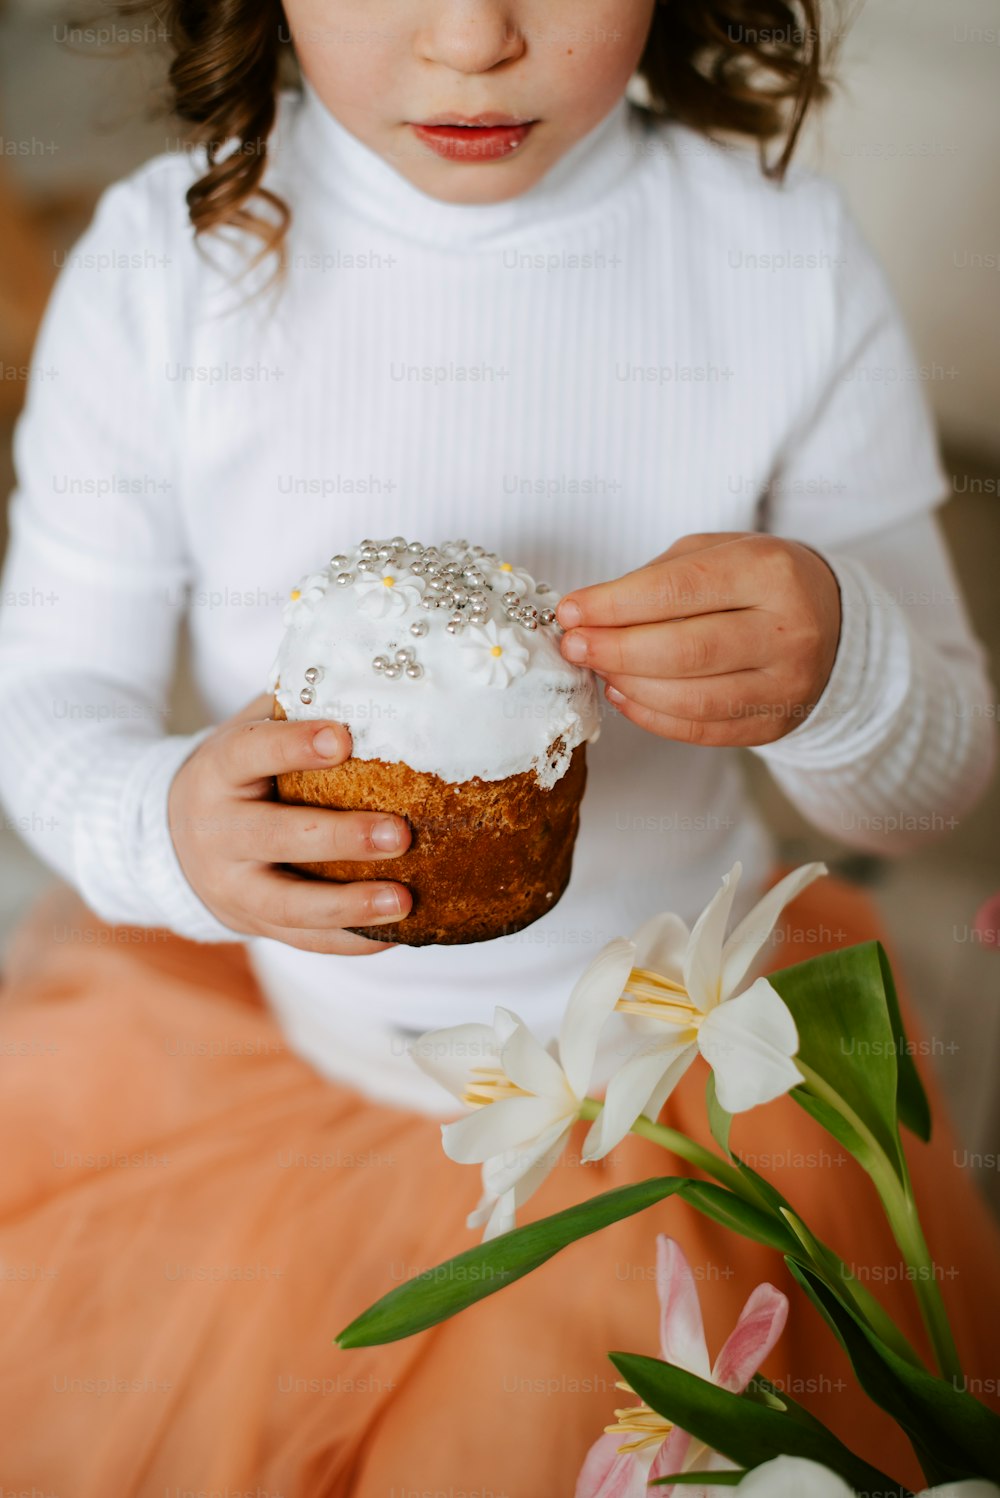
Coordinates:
[901,1211]
[679,1144]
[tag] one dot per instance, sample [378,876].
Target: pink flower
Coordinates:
[642,1445]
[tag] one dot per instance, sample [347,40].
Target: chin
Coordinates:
[479,184]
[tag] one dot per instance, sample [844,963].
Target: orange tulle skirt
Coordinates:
[189,1213]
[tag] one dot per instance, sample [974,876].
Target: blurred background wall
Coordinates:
[913,135]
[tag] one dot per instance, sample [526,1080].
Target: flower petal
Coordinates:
[594,996]
[671,1457]
[660,944]
[682,1331]
[496,1127]
[447,1055]
[743,944]
[501,1218]
[749,1042]
[609,1473]
[762,1320]
[703,959]
[793,1477]
[502,1172]
[630,1089]
[528,1064]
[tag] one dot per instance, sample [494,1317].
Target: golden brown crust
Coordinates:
[486,857]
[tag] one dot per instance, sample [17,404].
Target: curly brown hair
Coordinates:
[746,67]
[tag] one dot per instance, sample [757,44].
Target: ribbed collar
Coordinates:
[361,181]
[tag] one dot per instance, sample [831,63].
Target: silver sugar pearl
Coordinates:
[528,623]
[306,695]
[419,627]
[339,560]
[344,578]
[313,674]
[380,662]
[418,568]
[403,654]
[454,626]
[414,670]
[392,671]
[548,616]
[366,564]
[398,541]
[416,547]
[385,553]
[512,597]
[427,602]
[366,544]
[543,588]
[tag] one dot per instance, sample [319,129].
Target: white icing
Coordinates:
[471,712]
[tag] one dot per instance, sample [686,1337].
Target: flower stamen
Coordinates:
[656,997]
[489,1084]
[639,1420]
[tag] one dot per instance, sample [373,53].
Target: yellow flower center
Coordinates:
[388,582]
[294,594]
[496,650]
[488,1084]
[659,998]
[640,1421]
[506,567]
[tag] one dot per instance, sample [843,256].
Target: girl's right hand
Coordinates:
[231,836]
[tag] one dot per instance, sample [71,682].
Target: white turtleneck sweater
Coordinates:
[652,341]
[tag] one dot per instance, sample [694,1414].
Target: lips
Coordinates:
[481,137]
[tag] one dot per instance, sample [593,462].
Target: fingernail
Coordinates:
[386,902]
[569,614]
[575,648]
[385,834]
[327,743]
[613,695]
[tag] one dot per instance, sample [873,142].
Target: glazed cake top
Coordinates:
[445,657]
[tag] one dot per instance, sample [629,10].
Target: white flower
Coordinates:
[795,1477]
[507,579]
[389,592]
[493,655]
[303,598]
[525,1100]
[689,983]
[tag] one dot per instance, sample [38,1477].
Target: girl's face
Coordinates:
[471,100]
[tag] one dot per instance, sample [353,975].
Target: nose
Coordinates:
[472,36]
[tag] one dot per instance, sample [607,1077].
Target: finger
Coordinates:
[270,833]
[725,576]
[283,899]
[252,752]
[708,645]
[700,541]
[726,698]
[750,730]
[331,942]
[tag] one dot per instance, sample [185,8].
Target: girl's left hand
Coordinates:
[724,639]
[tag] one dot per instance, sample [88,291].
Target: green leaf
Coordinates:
[953,1435]
[732,1212]
[842,1013]
[717,1479]
[914,1109]
[459,1282]
[719,1121]
[742,1429]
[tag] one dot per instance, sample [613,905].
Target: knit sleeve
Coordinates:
[902,741]
[95,581]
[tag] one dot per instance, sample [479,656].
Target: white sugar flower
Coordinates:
[507,579]
[690,984]
[494,655]
[303,598]
[797,1477]
[389,592]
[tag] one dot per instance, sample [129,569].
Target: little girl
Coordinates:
[454,283]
